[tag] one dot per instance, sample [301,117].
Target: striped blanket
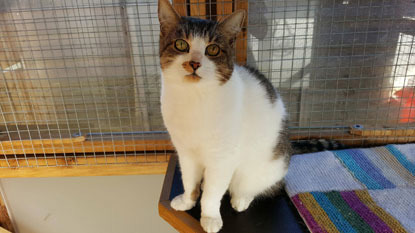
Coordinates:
[355,190]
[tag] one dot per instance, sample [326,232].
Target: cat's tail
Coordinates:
[316,145]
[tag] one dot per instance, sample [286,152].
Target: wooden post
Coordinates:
[223,8]
[181,7]
[198,8]
[242,40]
[195,8]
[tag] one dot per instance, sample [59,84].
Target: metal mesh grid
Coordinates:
[86,73]
[340,63]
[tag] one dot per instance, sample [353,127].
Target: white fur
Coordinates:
[224,134]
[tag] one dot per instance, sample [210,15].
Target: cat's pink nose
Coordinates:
[194,65]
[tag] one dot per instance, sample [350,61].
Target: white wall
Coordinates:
[110,204]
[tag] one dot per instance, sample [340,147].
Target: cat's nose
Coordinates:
[194,65]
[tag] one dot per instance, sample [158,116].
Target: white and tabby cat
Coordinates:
[226,121]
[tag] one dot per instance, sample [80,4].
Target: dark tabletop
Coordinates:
[265,215]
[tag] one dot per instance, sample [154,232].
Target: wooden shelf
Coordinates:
[266,215]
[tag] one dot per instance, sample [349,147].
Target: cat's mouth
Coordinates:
[193,77]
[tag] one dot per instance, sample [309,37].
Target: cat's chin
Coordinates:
[192,77]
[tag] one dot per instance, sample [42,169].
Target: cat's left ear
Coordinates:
[232,24]
[168,17]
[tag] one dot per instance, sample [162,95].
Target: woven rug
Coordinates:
[355,190]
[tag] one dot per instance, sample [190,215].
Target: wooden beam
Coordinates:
[97,170]
[180,220]
[383,132]
[80,160]
[50,163]
[79,145]
[84,166]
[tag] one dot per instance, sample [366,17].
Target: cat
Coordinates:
[227,122]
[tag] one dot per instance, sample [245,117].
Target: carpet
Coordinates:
[355,190]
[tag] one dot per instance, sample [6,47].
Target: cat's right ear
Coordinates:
[168,17]
[232,24]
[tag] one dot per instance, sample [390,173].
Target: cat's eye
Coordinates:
[181,45]
[212,50]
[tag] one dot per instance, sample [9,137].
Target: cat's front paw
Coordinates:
[241,204]
[182,203]
[211,225]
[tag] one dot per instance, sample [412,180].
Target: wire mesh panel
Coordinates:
[340,65]
[79,83]
[80,79]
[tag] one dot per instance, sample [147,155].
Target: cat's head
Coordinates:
[196,50]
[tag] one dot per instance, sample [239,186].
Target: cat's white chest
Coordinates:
[199,117]
[186,115]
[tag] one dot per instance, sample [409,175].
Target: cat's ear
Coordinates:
[232,24]
[168,17]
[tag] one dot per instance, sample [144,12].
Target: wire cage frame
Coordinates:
[80,79]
